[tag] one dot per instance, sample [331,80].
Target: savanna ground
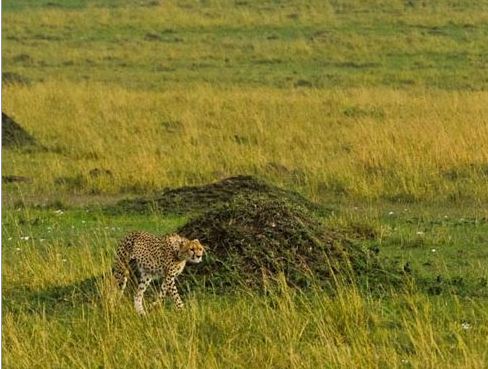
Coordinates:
[377,109]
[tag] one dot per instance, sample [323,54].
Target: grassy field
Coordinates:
[372,101]
[60,310]
[377,109]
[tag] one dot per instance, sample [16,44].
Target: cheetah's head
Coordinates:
[192,251]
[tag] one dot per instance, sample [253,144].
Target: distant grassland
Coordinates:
[304,94]
[148,44]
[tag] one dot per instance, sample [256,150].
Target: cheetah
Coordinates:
[154,257]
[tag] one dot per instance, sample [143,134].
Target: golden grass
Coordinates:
[285,329]
[361,143]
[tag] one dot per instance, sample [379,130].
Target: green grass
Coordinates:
[58,304]
[375,108]
[316,44]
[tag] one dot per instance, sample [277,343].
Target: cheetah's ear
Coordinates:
[198,244]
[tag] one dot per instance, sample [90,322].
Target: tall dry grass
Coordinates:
[284,329]
[359,143]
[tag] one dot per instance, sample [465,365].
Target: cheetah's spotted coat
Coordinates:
[155,257]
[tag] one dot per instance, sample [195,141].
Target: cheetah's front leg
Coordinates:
[170,285]
[144,282]
[162,294]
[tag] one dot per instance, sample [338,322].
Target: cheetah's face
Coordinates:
[192,251]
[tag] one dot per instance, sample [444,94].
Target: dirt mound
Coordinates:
[13,134]
[16,179]
[255,238]
[14,78]
[191,199]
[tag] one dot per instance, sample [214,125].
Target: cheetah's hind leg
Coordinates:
[121,278]
[144,282]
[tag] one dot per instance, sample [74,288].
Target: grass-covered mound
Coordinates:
[255,238]
[191,199]
[255,231]
[13,134]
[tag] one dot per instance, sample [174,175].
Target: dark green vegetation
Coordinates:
[252,240]
[195,199]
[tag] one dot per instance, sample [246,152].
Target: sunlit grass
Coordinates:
[361,143]
[286,328]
